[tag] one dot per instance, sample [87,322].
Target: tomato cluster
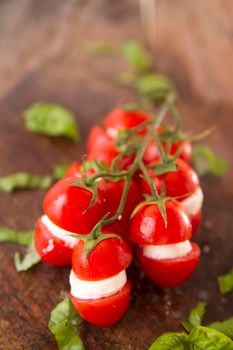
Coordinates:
[75,228]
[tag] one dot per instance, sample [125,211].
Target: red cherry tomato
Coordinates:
[108,258]
[97,137]
[73,170]
[119,119]
[186,150]
[170,272]
[104,312]
[113,193]
[151,153]
[148,226]
[100,146]
[52,250]
[178,183]
[67,206]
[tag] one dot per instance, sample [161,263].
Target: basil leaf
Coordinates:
[155,86]
[225,282]
[168,341]
[30,259]
[195,316]
[206,162]
[63,321]
[51,119]
[200,338]
[20,237]
[59,170]
[136,56]
[24,181]
[226,327]
[208,339]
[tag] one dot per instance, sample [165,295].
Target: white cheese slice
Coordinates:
[193,204]
[112,132]
[59,232]
[83,289]
[167,251]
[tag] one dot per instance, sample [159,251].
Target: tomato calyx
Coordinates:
[95,237]
[160,203]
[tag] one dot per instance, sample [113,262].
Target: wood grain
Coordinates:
[42,60]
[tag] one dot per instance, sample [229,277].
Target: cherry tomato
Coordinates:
[119,119]
[148,226]
[97,136]
[52,250]
[73,170]
[170,272]
[68,207]
[151,153]
[113,192]
[182,182]
[108,258]
[104,312]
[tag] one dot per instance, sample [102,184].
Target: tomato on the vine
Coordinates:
[183,184]
[100,290]
[120,119]
[164,252]
[148,225]
[54,247]
[68,206]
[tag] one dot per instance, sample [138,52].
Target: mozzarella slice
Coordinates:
[193,204]
[167,251]
[59,232]
[83,289]
[112,132]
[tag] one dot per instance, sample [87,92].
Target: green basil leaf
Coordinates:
[136,56]
[63,321]
[51,119]
[24,181]
[203,338]
[206,162]
[200,338]
[226,327]
[30,259]
[168,341]
[155,86]
[225,282]
[19,237]
[195,316]
[59,170]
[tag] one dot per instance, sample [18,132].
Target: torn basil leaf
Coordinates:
[12,236]
[136,56]
[226,327]
[200,338]
[168,341]
[59,170]
[154,86]
[51,119]
[206,162]
[24,181]
[225,282]
[195,317]
[63,322]
[30,259]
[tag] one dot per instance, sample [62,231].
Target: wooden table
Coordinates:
[42,59]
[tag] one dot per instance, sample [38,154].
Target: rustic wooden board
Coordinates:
[42,68]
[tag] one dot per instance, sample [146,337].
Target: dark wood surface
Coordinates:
[42,60]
